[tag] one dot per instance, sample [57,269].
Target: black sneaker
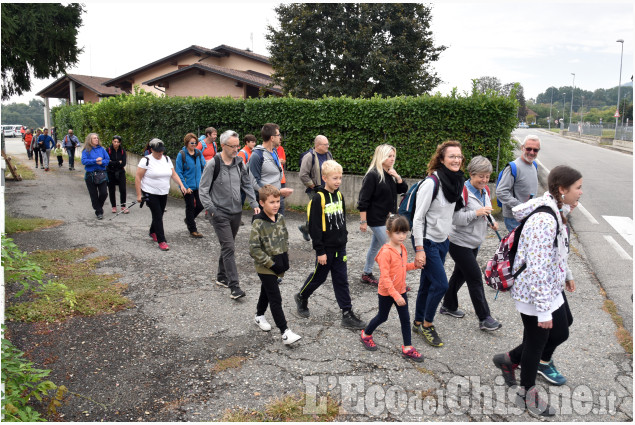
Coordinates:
[454,313]
[236,293]
[349,320]
[302,304]
[431,336]
[504,363]
[305,232]
[534,404]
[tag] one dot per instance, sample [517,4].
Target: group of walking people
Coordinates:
[451,215]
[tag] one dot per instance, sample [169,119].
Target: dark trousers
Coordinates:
[466,269]
[433,282]
[29,154]
[156,204]
[71,157]
[336,264]
[38,156]
[60,160]
[226,228]
[539,344]
[98,194]
[193,207]
[117,179]
[385,304]
[270,296]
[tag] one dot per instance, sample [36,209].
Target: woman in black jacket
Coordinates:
[117,174]
[378,199]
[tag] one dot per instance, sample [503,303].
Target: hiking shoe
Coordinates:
[261,321]
[305,232]
[349,320]
[125,210]
[411,354]
[454,313]
[289,337]
[154,237]
[431,336]
[551,374]
[222,283]
[237,293]
[100,217]
[504,363]
[369,279]
[114,210]
[368,342]
[302,305]
[534,404]
[489,324]
[196,235]
[163,246]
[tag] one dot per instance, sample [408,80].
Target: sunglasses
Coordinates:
[532,149]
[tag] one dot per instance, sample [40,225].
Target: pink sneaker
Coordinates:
[114,210]
[368,342]
[163,246]
[125,210]
[154,237]
[411,354]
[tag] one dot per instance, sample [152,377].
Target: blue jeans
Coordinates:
[511,223]
[433,282]
[377,241]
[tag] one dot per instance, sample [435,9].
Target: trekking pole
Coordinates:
[491,222]
[121,212]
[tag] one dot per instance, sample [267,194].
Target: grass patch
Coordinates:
[287,409]
[233,362]
[14,224]
[75,290]
[623,336]
[25,171]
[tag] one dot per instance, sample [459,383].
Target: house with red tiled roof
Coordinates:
[198,71]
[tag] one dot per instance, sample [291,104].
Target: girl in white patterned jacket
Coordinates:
[538,291]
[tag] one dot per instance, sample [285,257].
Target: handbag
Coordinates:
[99,176]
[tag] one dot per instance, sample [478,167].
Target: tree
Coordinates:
[354,49]
[39,38]
[484,84]
[31,115]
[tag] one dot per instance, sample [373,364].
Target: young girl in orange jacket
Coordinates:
[393,265]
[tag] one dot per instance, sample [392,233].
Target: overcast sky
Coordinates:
[536,44]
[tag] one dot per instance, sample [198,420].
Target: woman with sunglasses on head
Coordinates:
[117,174]
[189,166]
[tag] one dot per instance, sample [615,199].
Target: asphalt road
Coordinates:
[607,199]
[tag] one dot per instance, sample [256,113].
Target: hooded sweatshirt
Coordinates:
[264,168]
[432,216]
[336,235]
[223,196]
[393,266]
[468,230]
[538,289]
[269,243]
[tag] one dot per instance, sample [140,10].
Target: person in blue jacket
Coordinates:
[46,143]
[189,166]
[95,160]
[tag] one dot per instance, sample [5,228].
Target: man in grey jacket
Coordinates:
[515,191]
[311,171]
[220,195]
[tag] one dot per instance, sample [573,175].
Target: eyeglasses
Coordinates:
[278,135]
[233,146]
[192,143]
[453,157]
[532,149]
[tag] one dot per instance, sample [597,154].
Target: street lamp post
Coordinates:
[563,109]
[550,106]
[618,88]
[572,90]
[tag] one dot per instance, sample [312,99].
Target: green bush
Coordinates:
[414,125]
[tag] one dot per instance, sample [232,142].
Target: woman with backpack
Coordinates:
[469,227]
[189,166]
[538,291]
[437,196]
[377,199]
[117,174]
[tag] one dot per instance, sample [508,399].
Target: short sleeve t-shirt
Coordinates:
[156,180]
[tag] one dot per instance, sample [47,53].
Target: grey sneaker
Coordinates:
[237,293]
[301,303]
[349,320]
[454,313]
[222,283]
[489,324]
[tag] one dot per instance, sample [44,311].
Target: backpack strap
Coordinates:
[518,231]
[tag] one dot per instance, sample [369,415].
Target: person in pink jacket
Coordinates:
[393,265]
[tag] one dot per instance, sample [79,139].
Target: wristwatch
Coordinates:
[363,222]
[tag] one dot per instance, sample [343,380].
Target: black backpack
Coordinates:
[216,160]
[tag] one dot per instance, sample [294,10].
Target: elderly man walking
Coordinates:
[219,191]
[519,181]
[311,172]
[70,144]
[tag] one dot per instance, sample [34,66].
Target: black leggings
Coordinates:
[98,194]
[157,204]
[539,343]
[38,154]
[270,296]
[117,179]
[385,304]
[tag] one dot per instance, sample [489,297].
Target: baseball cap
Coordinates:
[157,145]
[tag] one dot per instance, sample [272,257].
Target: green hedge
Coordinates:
[414,125]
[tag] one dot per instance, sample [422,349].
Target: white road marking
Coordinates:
[622,225]
[617,247]
[542,165]
[587,214]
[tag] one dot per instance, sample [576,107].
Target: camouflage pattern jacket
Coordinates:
[269,243]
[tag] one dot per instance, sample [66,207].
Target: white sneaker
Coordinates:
[261,321]
[288,337]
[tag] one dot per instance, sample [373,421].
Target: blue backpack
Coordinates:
[514,170]
[409,199]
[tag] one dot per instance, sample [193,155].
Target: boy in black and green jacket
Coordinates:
[327,226]
[268,246]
